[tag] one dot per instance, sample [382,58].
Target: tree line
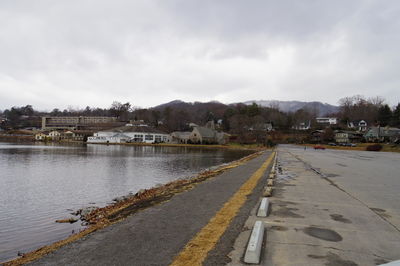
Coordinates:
[373,110]
[233,118]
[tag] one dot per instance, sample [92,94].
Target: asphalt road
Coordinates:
[330,207]
[156,235]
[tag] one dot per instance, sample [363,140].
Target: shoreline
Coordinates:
[211,146]
[115,212]
[233,146]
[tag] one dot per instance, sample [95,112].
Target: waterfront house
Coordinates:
[327,120]
[130,133]
[360,125]
[268,126]
[67,135]
[180,137]
[222,138]
[382,134]
[41,136]
[55,135]
[316,136]
[342,136]
[203,135]
[81,135]
[306,125]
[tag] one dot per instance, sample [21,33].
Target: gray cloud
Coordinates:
[55,54]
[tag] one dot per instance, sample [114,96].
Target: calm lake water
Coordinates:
[42,183]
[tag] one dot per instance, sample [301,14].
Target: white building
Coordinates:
[327,120]
[130,133]
[55,135]
[361,125]
[41,136]
[302,126]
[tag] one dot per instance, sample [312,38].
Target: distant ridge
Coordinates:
[181,104]
[293,106]
[284,106]
[169,104]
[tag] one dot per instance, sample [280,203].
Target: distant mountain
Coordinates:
[292,106]
[284,106]
[179,103]
[198,110]
[170,104]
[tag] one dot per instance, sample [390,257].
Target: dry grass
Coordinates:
[108,215]
[391,148]
[359,147]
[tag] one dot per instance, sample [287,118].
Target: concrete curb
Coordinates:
[271,176]
[263,209]
[253,250]
[267,192]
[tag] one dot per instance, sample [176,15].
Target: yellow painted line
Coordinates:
[195,252]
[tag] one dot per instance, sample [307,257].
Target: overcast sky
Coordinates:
[91,52]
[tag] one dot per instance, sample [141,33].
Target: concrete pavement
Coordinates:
[373,178]
[330,208]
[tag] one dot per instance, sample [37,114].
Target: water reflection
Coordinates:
[41,183]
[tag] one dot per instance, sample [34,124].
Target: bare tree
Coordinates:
[377,101]
[358,108]
[120,110]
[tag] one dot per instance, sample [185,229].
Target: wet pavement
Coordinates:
[330,208]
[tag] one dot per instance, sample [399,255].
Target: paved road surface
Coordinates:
[331,207]
[371,177]
[156,235]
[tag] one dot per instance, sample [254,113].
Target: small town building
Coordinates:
[222,138]
[316,136]
[179,137]
[76,122]
[327,120]
[41,136]
[81,135]
[267,126]
[67,135]
[130,133]
[203,135]
[55,135]
[360,125]
[382,134]
[206,135]
[137,123]
[348,137]
[305,125]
